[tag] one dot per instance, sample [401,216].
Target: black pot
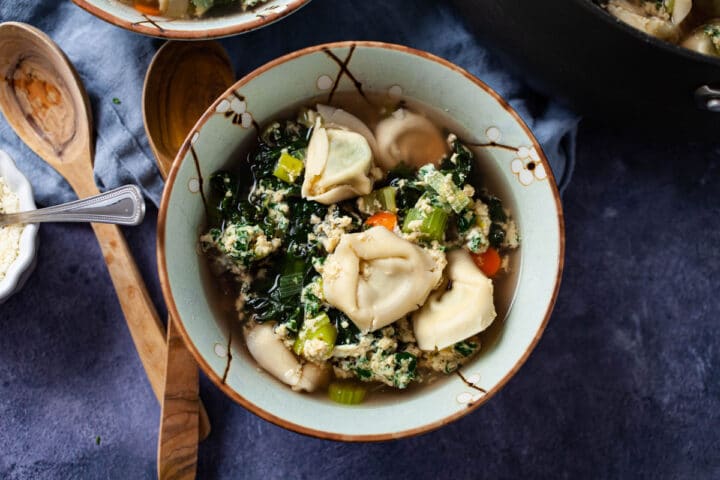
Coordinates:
[575,51]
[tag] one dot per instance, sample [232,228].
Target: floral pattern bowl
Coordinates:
[213,25]
[510,156]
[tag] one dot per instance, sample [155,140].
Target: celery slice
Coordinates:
[322,329]
[445,188]
[288,168]
[433,224]
[346,393]
[381,200]
[386,197]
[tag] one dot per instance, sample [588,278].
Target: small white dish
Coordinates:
[24,264]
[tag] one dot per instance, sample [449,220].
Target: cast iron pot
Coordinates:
[575,51]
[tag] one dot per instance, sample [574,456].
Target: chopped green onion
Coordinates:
[433,224]
[346,393]
[318,328]
[289,286]
[446,189]
[288,168]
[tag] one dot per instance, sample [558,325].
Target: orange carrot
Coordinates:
[383,219]
[147,7]
[489,261]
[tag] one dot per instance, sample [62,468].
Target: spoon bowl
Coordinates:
[40,100]
[182,80]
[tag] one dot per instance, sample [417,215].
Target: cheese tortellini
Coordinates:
[339,162]
[450,316]
[410,138]
[376,277]
[270,353]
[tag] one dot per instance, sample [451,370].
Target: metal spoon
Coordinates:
[183,79]
[121,206]
[44,101]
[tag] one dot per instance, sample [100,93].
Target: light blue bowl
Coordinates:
[510,157]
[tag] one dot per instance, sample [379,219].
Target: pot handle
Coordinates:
[708,98]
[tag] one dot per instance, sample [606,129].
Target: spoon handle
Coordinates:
[179,413]
[121,206]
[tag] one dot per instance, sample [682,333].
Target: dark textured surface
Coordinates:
[624,383]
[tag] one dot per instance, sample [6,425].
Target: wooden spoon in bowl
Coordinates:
[183,79]
[44,101]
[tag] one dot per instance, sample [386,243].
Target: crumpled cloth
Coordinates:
[112,63]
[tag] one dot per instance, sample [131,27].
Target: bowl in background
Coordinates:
[23,266]
[218,24]
[509,157]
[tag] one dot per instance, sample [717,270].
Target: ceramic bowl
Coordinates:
[24,264]
[213,25]
[510,156]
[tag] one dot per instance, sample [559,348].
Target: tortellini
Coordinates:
[680,10]
[702,42]
[636,16]
[271,354]
[376,277]
[338,118]
[450,316]
[410,138]
[337,165]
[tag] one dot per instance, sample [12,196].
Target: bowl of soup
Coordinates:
[366,252]
[191,19]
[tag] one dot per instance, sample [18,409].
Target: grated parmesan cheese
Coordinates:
[9,234]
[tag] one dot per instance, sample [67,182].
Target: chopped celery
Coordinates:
[432,224]
[318,328]
[288,168]
[446,189]
[379,200]
[412,215]
[386,197]
[347,393]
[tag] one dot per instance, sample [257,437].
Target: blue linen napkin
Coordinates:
[112,63]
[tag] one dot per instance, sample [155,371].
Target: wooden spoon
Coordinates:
[183,79]
[44,101]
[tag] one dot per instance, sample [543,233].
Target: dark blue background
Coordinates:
[624,383]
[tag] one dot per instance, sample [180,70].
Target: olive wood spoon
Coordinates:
[183,79]
[43,99]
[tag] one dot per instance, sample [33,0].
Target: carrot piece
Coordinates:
[488,262]
[147,7]
[383,219]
